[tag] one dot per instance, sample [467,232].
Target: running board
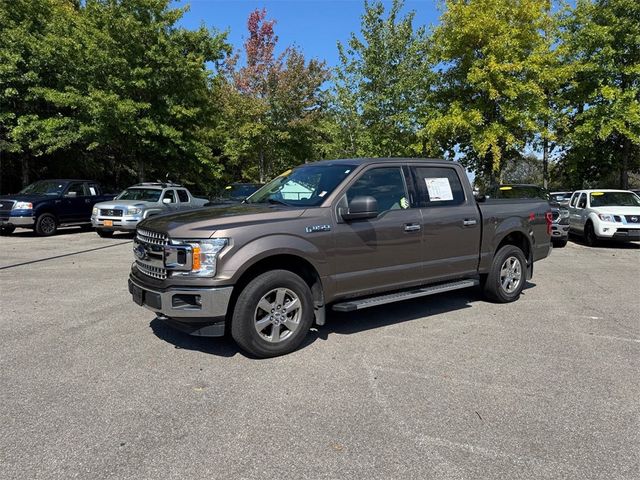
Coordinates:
[353,305]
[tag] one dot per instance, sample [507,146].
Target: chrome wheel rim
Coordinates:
[48,224]
[510,274]
[277,315]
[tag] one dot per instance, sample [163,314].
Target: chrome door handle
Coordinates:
[469,222]
[411,227]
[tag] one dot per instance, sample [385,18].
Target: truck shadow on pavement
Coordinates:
[337,323]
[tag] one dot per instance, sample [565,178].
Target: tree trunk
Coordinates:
[140,163]
[25,171]
[261,166]
[545,158]
[624,164]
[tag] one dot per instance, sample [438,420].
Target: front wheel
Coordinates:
[507,275]
[559,243]
[102,233]
[272,314]
[590,237]
[46,225]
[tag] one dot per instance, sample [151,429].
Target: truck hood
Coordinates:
[203,222]
[617,210]
[18,197]
[114,204]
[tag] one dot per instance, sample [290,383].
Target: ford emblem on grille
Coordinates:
[634,219]
[140,252]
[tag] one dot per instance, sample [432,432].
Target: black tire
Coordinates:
[248,317]
[104,233]
[590,237]
[505,288]
[46,225]
[7,230]
[559,243]
[87,227]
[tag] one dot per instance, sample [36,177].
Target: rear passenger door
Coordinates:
[379,253]
[185,200]
[451,226]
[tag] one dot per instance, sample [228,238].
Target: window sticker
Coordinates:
[439,189]
[404,203]
[323,193]
[92,190]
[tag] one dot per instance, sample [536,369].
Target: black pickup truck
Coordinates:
[47,204]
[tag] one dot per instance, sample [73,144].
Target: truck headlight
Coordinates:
[94,212]
[23,206]
[133,210]
[606,217]
[204,257]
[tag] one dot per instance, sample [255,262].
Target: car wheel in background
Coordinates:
[507,275]
[46,225]
[590,237]
[7,230]
[104,233]
[272,314]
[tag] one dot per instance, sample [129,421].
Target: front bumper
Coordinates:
[617,231]
[24,222]
[197,311]
[559,230]
[123,224]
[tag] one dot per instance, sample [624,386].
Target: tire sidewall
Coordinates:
[493,285]
[39,222]
[590,237]
[242,323]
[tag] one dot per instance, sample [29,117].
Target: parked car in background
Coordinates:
[346,234]
[235,193]
[636,191]
[139,202]
[559,209]
[605,214]
[48,204]
[562,198]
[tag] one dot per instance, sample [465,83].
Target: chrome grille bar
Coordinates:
[154,238]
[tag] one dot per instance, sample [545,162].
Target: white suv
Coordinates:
[600,214]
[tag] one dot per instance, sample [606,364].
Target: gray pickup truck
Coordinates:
[141,201]
[339,234]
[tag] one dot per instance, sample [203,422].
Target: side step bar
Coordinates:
[353,305]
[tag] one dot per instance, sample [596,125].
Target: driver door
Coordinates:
[382,253]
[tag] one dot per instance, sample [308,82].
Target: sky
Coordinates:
[314,26]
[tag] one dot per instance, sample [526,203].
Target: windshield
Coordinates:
[140,194]
[240,190]
[614,199]
[44,187]
[304,186]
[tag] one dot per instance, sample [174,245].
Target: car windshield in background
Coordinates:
[141,194]
[241,191]
[44,187]
[614,199]
[308,185]
[520,191]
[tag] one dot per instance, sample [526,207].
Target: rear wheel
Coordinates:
[559,242]
[46,225]
[104,233]
[507,275]
[7,230]
[590,237]
[272,314]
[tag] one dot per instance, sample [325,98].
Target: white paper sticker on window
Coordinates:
[92,190]
[439,189]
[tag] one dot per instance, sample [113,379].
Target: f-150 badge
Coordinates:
[317,228]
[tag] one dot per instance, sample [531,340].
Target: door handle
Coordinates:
[469,222]
[411,227]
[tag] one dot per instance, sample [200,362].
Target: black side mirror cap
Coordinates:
[361,208]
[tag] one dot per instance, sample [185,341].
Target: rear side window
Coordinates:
[439,186]
[183,196]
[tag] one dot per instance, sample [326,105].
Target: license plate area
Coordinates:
[108,223]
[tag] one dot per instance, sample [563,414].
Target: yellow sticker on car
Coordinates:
[597,194]
[506,188]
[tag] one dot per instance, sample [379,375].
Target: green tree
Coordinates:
[381,85]
[602,47]
[491,59]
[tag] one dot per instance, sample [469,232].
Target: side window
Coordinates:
[170,195]
[439,186]
[385,184]
[582,203]
[75,189]
[183,195]
[93,189]
[574,199]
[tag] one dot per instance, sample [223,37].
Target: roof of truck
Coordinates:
[360,161]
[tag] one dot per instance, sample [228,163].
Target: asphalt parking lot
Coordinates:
[448,387]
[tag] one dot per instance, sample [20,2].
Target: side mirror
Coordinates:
[166,201]
[361,208]
[71,194]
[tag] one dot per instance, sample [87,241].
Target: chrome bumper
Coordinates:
[18,221]
[183,303]
[559,230]
[117,223]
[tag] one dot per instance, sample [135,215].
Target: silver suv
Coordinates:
[138,202]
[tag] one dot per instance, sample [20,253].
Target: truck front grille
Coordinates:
[155,272]
[153,238]
[632,218]
[108,212]
[5,207]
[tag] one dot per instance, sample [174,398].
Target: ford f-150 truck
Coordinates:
[339,234]
[141,201]
[47,204]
